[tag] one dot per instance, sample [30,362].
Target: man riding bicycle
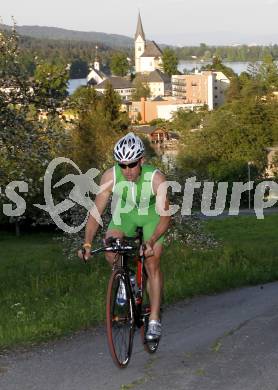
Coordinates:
[137,199]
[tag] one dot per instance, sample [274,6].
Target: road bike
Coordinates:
[127,305]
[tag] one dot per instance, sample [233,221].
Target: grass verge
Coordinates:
[43,295]
[247,254]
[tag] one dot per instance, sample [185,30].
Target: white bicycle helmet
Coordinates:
[129,148]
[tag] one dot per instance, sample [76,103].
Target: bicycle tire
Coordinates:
[119,321]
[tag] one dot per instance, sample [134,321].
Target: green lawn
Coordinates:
[247,254]
[44,295]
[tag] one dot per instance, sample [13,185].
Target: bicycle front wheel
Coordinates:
[119,319]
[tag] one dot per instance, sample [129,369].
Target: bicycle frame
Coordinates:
[136,301]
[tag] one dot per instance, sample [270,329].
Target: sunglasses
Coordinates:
[131,165]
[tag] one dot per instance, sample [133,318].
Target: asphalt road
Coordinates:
[226,341]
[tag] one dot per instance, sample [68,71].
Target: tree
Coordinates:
[252,70]
[268,74]
[274,163]
[231,136]
[185,120]
[27,144]
[119,64]
[83,99]
[141,90]
[111,103]
[231,170]
[51,83]
[139,117]
[207,55]
[96,128]
[79,69]
[98,124]
[220,67]
[170,61]
[233,92]
[249,81]
[93,137]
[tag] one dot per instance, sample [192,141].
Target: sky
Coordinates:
[177,22]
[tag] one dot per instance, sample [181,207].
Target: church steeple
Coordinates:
[139,30]
[97,62]
[139,43]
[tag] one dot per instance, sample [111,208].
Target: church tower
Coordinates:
[140,43]
[97,62]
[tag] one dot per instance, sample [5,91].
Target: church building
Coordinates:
[97,73]
[149,65]
[148,56]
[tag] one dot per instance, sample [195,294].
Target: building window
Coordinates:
[215,87]
[139,48]
[215,96]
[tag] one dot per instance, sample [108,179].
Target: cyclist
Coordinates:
[136,189]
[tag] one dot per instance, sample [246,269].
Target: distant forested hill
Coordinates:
[62,51]
[61,46]
[58,45]
[112,40]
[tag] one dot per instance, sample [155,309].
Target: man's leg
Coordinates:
[110,256]
[155,281]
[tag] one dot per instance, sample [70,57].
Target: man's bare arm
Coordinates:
[162,204]
[101,201]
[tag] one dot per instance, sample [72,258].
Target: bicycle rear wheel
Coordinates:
[119,320]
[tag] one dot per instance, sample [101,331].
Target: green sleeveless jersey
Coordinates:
[138,194]
[133,203]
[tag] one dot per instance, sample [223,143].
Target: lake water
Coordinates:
[75,83]
[237,67]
